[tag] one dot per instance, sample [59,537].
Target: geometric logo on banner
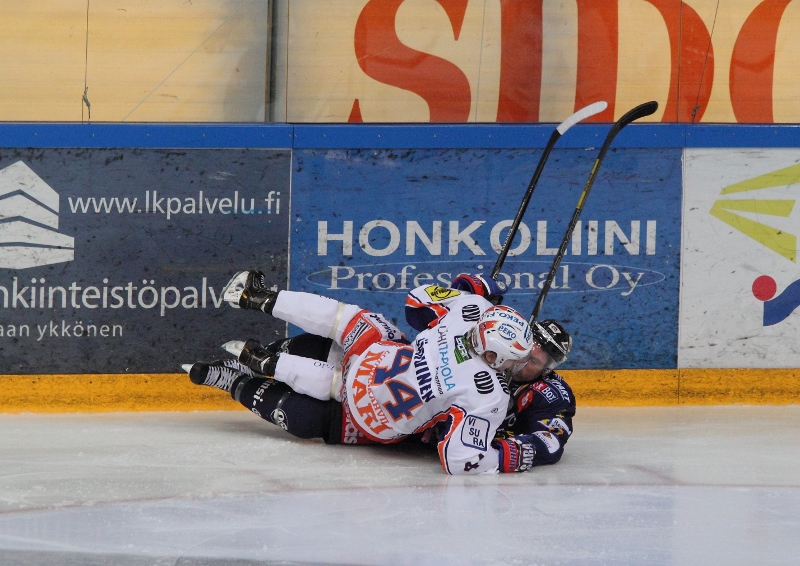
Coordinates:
[777,307]
[775,239]
[29,234]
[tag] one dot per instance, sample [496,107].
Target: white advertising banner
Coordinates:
[740,285]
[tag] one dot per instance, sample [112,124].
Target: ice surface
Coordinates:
[689,485]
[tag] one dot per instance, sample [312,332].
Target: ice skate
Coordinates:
[248,290]
[253,355]
[220,374]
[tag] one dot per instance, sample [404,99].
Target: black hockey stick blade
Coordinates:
[561,129]
[640,111]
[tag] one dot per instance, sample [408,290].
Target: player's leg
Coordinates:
[297,414]
[348,325]
[313,313]
[273,401]
[305,375]
[308,346]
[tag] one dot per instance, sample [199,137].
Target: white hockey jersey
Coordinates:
[394,390]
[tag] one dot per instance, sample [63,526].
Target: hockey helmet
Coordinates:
[554,340]
[505,332]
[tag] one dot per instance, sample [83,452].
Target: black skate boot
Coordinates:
[220,374]
[253,355]
[248,290]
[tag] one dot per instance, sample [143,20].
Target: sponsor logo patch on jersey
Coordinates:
[524,400]
[561,389]
[483,382]
[461,351]
[471,313]
[501,379]
[422,372]
[475,432]
[545,390]
[549,440]
[360,328]
[558,425]
[444,370]
[437,293]
[388,330]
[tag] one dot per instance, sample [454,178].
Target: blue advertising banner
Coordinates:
[369,225]
[114,260]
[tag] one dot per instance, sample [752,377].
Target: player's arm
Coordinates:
[541,418]
[427,304]
[465,443]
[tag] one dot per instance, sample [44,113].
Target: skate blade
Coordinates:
[187,367]
[234,347]
[233,290]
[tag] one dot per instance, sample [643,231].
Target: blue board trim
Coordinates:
[390,136]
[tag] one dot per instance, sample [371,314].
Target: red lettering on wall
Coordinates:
[382,56]
[692,58]
[753,63]
[520,60]
[598,50]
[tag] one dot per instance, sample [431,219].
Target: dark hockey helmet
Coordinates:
[554,340]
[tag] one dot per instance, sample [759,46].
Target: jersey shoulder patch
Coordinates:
[436,293]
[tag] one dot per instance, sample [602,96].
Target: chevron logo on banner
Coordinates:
[29,234]
[777,240]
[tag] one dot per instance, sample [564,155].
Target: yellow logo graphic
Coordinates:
[437,293]
[777,240]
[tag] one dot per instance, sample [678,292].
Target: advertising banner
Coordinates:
[741,282]
[113,261]
[369,225]
[536,61]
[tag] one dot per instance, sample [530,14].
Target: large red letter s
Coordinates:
[382,56]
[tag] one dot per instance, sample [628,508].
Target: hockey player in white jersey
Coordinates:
[450,375]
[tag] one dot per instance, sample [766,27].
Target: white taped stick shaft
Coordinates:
[582,114]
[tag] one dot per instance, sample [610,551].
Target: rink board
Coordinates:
[741,281]
[697,330]
[100,393]
[114,260]
[369,225]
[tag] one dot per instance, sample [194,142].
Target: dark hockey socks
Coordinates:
[298,414]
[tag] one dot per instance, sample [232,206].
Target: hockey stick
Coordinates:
[640,111]
[562,128]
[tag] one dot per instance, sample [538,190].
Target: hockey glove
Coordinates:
[516,453]
[491,289]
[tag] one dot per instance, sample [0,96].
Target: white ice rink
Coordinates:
[680,486]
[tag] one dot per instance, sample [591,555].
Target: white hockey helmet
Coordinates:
[505,332]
